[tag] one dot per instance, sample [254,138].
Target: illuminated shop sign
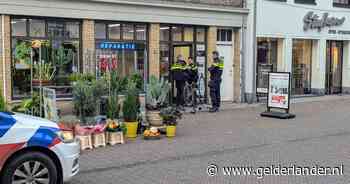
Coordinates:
[117,45]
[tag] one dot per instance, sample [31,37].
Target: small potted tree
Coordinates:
[130,110]
[170,116]
[156,98]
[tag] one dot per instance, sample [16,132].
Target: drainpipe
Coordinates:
[254,51]
[243,51]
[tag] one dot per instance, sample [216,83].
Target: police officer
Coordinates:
[192,71]
[215,71]
[179,74]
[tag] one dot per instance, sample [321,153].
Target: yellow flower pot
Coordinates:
[170,131]
[131,129]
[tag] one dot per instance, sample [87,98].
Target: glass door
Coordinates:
[334,67]
[180,50]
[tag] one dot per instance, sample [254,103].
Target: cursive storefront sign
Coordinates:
[314,21]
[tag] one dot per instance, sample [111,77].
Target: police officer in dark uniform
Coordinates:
[215,71]
[192,71]
[179,75]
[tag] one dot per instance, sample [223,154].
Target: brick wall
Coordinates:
[154,62]
[88,45]
[6,59]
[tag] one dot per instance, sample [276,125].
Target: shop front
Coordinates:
[140,37]
[186,41]
[313,45]
[45,51]
[122,45]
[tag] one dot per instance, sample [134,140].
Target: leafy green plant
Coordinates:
[22,52]
[113,107]
[63,57]
[170,115]
[138,80]
[86,98]
[29,106]
[131,104]
[3,106]
[44,71]
[81,76]
[157,93]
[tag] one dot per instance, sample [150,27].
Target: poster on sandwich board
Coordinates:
[279,90]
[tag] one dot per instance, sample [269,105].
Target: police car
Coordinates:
[36,151]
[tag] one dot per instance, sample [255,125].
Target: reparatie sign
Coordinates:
[314,21]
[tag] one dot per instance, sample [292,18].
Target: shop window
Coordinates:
[55,48]
[114,31]
[224,35]
[141,32]
[267,50]
[313,2]
[100,31]
[72,29]
[37,28]
[200,34]
[188,34]
[164,60]
[164,33]
[19,27]
[341,3]
[301,67]
[128,31]
[177,33]
[56,29]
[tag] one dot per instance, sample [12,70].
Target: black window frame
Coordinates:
[341,5]
[46,37]
[306,2]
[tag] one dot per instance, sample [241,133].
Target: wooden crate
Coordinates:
[85,141]
[98,140]
[114,138]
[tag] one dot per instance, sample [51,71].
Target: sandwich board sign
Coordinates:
[278,96]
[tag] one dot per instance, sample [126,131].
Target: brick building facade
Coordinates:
[87,25]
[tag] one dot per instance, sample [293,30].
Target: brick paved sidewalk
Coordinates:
[228,129]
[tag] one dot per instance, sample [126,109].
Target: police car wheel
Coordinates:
[31,167]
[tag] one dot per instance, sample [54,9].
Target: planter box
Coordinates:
[85,141]
[114,138]
[99,140]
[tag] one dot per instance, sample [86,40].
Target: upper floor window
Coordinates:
[224,35]
[341,3]
[305,1]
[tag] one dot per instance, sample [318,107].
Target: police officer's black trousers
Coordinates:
[215,96]
[180,85]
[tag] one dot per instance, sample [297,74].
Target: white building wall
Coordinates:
[284,20]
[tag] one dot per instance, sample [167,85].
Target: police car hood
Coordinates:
[34,121]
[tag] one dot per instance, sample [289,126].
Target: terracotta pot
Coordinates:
[36,82]
[154,118]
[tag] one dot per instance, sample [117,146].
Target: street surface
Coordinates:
[237,137]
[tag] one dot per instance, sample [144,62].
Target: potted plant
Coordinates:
[86,98]
[115,132]
[22,54]
[130,110]
[170,116]
[156,98]
[43,73]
